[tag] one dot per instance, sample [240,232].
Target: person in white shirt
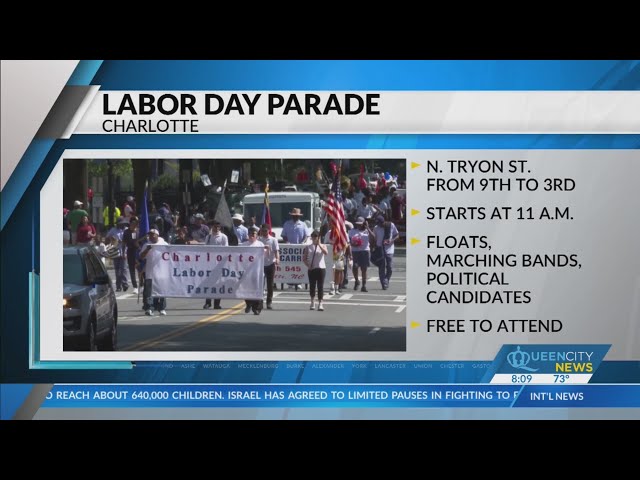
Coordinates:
[255,305]
[216,237]
[151,256]
[242,233]
[339,263]
[271,261]
[359,239]
[313,258]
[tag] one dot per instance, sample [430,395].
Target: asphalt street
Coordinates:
[353,321]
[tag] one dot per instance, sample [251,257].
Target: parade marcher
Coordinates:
[216,237]
[242,233]
[255,305]
[386,234]
[130,240]
[167,221]
[294,230]
[107,217]
[101,248]
[271,260]
[349,206]
[128,209]
[252,222]
[74,217]
[181,237]
[151,256]
[198,231]
[339,263]
[360,238]
[86,232]
[66,234]
[396,202]
[384,202]
[367,209]
[313,258]
[115,236]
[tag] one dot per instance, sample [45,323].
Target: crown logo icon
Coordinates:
[520,360]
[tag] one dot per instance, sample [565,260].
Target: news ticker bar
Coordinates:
[343,396]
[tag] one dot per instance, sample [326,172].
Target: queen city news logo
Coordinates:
[559,361]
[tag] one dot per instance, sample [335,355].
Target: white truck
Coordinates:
[280,204]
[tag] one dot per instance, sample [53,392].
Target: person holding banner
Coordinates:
[271,260]
[151,257]
[255,305]
[216,237]
[313,258]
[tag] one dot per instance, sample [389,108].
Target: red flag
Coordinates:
[362,183]
[335,213]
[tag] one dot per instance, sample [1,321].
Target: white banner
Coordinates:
[381,112]
[293,270]
[206,271]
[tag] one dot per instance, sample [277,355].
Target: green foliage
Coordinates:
[166,181]
[100,168]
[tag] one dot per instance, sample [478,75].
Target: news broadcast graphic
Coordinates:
[321,239]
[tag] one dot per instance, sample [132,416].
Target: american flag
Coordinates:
[335,212]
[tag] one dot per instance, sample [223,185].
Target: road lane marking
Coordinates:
[186,329]
[345,304]
[400,308]
[374,330]
[400,298]
[348,297]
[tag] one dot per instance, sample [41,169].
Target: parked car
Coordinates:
[90,311]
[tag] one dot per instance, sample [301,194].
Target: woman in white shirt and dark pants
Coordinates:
[313,258]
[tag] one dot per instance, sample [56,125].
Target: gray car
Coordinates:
[90,312]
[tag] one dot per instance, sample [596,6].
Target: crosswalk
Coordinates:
[375,300]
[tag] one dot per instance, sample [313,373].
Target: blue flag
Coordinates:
[143,226]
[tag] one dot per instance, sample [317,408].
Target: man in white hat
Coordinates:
[73,219]
[294,230]
[240,230]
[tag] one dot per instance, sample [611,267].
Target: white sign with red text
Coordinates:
[206,271]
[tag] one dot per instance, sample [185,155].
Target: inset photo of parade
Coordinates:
[234,255]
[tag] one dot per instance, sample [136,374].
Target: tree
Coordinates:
[99,168]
